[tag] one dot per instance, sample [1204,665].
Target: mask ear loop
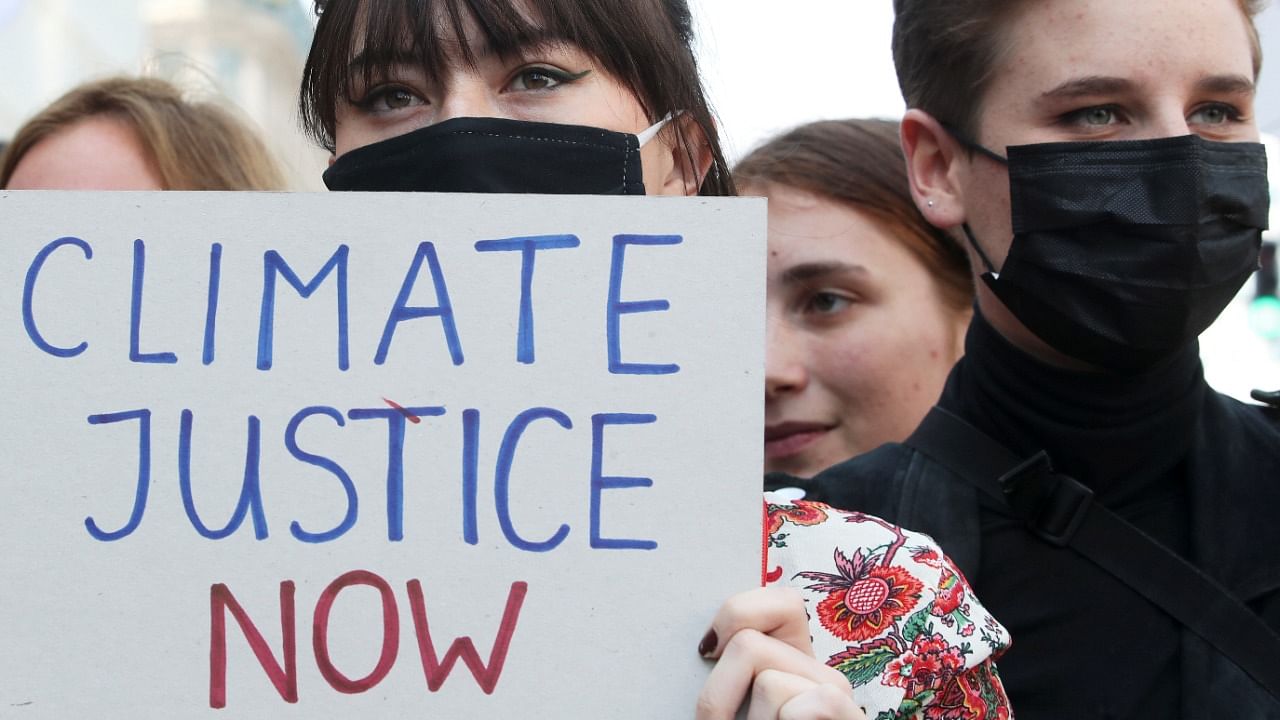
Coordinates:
[652,131]
[974,146]
[968,233]
[983,150]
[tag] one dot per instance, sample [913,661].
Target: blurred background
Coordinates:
[766,68]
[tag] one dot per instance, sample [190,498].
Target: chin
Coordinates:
[797,466]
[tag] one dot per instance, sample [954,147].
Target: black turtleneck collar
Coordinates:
[1101,428]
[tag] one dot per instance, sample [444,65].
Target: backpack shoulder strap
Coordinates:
[1062,511]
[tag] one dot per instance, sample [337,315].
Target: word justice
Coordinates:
[251,506]
[276,267]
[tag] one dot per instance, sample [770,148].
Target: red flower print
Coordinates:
[902,670]
[926,556]
[973,695]
[950,594]
[799,513]
[929,665]
[865,599]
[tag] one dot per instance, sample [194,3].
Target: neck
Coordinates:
[1111,431]
[1016,334]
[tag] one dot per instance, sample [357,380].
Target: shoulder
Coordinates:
[888,609]
[1264,419]
[899,484]
[1242,428]
[872,482]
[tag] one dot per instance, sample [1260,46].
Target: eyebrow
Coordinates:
[1094,85]
[1087,87]
[1226,85]
[808,272]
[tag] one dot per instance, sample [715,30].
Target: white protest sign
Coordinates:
[341,455]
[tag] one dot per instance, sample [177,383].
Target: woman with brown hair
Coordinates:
[129,133]
[868,303]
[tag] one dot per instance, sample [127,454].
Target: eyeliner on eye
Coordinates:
[556,75]
[562,76]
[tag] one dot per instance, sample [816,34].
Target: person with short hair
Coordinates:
[136,133]
[1100,160]
[868,302]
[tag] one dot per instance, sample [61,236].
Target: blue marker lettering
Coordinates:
[211,306]
[396,419]
[528,247]
[272,265]
[353,503]
[135,312]
[144,473]
[502,478]
[401,310]
[29,291]
[470,473]
[616,307]
[250,490]
[601,482]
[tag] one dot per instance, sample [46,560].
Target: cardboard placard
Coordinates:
[388,455]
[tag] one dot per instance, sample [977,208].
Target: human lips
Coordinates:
[791,438]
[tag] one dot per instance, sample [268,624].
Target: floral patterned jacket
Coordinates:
[889,610]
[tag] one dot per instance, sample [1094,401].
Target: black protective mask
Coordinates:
[1125,251]
[495,155]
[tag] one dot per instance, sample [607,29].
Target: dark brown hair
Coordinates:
[946,52]
[194,145]
[859,163]
[645,44]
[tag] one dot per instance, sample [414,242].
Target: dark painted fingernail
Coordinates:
[708,644]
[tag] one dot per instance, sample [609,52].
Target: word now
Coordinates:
[250,503]
[285,679]
[275,267]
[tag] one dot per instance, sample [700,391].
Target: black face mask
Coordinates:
[495,155]
[1125,251]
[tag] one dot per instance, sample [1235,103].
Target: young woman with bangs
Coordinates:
[604,97]
[494,96]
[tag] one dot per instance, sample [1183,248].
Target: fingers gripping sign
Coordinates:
[760,639]
[783,696]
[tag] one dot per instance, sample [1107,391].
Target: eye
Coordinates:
[542,78]
[1098,116]
[825,302]
[1214,114]
[389,98]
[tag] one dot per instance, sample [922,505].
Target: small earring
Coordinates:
[929,203]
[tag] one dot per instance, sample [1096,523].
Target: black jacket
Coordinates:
[1085,645]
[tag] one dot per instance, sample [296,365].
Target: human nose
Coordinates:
[785,370]
[1168,121]
[466,97]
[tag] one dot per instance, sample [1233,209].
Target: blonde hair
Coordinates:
[194,145]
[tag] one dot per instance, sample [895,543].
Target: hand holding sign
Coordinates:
[760,639]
